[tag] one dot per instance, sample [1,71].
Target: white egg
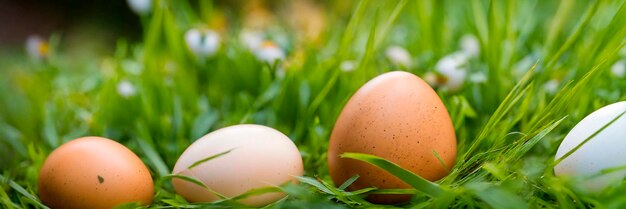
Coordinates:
[259,157]
[604,151]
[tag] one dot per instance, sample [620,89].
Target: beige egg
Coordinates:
[399,117]
[94,172]
[259,157]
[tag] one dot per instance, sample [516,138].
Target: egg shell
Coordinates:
[94,172]
[399,117]
[260,157]
[605,150]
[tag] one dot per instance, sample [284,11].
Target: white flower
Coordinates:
[619,68]
[202,43]
[452,68]
[454,79]
[140,7]
[399,56]
[269,52]
[36,47]
[347,66]
[251,39]
[126,89]
[551,86]
[470,45]
[452,62]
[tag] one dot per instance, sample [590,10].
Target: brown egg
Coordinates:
[399,117]
[94,172]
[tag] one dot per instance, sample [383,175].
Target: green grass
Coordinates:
[508,128]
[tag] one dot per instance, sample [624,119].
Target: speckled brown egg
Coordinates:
[399,117]
[94,172]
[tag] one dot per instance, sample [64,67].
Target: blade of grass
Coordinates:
[199,162]
[253,192]
[574,37]
[496,197]
[390,21]
[22,191]
[369,48]
[362,191]
[349,182]
[313,182]
[507,104]
[348,35]
[556,25]
[195,181]
[257,191]
[436,154]
[394,191]
[524,148]
[153,157]
[417,182]
[323,93]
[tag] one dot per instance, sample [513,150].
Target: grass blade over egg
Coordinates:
[557,161]
[415,181]
[197,163]
[195,181]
